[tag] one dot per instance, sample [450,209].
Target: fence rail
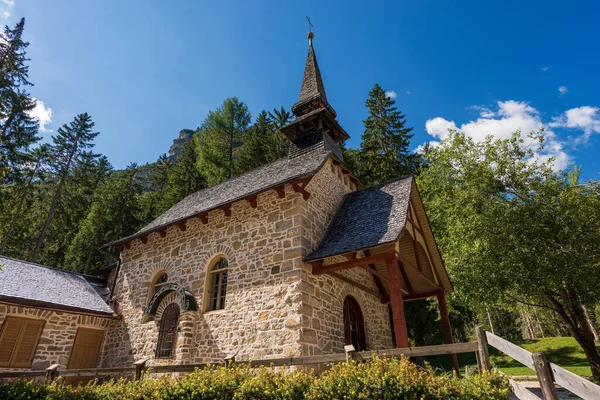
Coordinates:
[547,373]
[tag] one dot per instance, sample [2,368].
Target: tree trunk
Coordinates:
[40,242]
[580,329]
[591,322]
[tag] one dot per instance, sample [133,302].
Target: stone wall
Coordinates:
[262,246]
[324,294]
[274,308]
[58,334]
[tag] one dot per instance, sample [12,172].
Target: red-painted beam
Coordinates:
[325,269]
[397,303]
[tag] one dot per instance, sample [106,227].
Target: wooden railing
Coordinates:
[547,373]
[136,370]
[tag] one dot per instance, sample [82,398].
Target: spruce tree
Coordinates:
[263,143]
[68,149]
[384,150]
[113,214]
[184,177]
[18,130]
[221,134]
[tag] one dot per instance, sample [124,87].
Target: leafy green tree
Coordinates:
[156,177]
[112,215]
[513,230]
[18,130]
[184,177]
[384,148]
[68,149]
[263,143]
[221,135]
[38,157]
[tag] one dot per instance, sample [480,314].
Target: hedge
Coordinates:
[380,378]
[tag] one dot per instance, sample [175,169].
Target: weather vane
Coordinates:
[310,34]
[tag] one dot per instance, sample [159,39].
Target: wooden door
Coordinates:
[85,353]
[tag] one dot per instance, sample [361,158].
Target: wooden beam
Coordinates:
[325,269]
[377,280]
[204,218]
[299,186]
[144,239]
[426,279]
[227,210]
[163,233]
[356,284]
[350,256]
[127,245]
[182,226]
[429,254]
[253,201]
[280,191]
[441,296]
[397,303]
[414,241]
[420,296]
[405,277]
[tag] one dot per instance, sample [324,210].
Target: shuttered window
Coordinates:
[18,341]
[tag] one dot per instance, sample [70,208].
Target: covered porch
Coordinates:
[384,230]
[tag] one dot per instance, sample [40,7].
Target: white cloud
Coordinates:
[391,94]
[509,117]
[545,69]
[563,90]
[43,114]
[6,8]
[585,118]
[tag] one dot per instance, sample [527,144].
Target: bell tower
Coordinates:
[315,125]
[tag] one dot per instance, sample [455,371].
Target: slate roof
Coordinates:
[253,182]
[367,218]
[26,283]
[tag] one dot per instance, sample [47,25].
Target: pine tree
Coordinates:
[184,177]
[113,214]
[221,134]
[18,130]
[157,178]
[68,149]
[384,149]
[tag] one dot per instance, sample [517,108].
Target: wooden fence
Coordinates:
[547,373]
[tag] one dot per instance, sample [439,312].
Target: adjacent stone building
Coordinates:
[295,258]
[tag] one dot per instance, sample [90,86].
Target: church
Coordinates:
[295,258]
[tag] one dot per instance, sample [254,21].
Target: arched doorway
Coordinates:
[354,324]
[167,335]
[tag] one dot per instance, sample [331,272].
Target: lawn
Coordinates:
[563,351]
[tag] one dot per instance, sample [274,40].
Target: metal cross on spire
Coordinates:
[310,34]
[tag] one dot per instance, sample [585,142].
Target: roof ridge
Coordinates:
[379,185]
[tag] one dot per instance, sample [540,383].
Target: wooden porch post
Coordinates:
[441,296]
[397,303]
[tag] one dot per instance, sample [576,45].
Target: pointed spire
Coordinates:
[312,90]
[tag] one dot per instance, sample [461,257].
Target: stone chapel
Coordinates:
[295,258]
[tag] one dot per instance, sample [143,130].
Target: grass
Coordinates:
[563,351]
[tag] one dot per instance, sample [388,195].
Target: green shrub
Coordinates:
[380,378]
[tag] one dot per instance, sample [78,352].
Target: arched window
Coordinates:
[167,335]
[218,285]
[354,325]
[159,281]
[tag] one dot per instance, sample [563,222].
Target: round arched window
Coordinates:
[218,285]
[354,325]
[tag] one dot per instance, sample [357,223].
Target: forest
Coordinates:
[519,239]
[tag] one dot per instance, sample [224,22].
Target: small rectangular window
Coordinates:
[18,340]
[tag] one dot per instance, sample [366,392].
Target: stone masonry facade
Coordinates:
[58,333]
[274,308]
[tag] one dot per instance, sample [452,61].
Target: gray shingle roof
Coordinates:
[253,182]
[367,218]
[28,283]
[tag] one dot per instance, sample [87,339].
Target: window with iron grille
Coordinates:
[218,285]
[167,335]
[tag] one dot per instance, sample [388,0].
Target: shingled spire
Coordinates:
[312,91]
[315,125]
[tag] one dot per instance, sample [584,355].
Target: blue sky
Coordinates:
[146,69]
